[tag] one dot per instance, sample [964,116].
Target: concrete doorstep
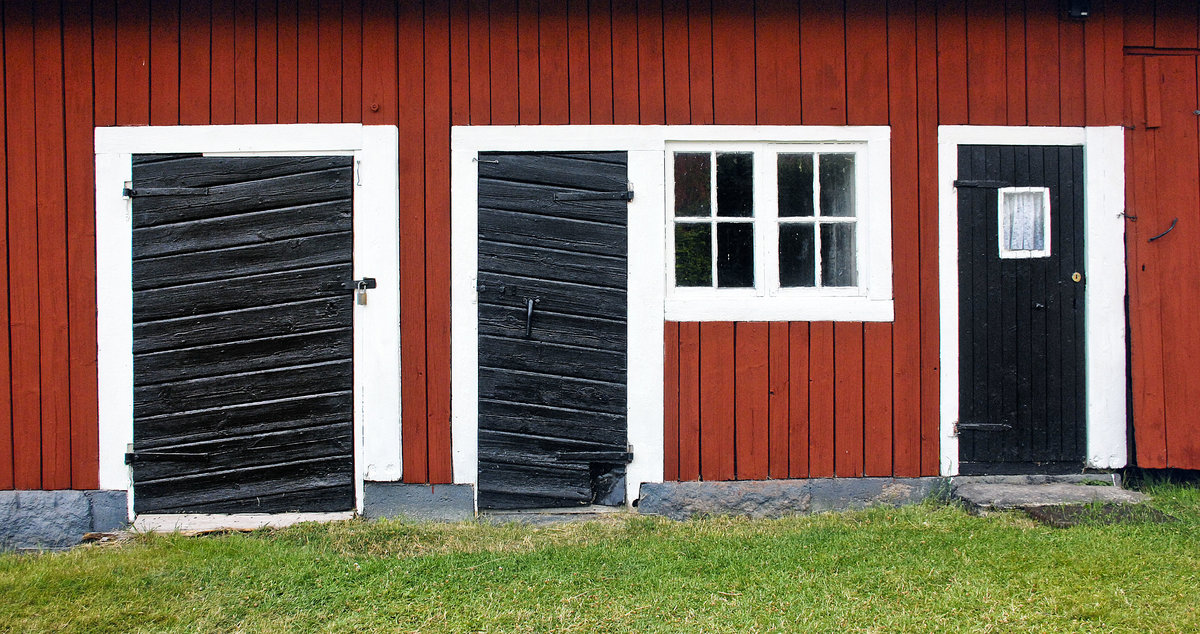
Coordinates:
[996,493]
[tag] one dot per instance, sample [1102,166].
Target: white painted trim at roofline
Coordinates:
[1104,309]
[376,234]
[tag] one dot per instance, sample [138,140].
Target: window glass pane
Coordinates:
[1024,227]
[735,184]
[795,185]
[837,184]
[693,254]
[837,255]
[735,254]
[693,180]
[797,264]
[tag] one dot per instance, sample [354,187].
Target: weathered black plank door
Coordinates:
[552,329]
[1021,337]
[242,334]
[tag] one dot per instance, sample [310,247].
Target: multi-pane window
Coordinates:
[767,217]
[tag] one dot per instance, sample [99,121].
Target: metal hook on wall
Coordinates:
[1173,221]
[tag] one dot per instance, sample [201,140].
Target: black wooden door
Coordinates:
[242,334]
[1021,337]
[552,329]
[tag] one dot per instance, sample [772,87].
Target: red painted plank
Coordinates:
[527,61]
[379,76]
[22,245]
[6,420]
[952,62]
[752,400]
[504,94]
[671,401]
[287,59]
[777,61]
[266,64]
[848,399]
[903,46]
[778,388]
[1114,65]
[866,63]
[221,102]
[1145,298]
[733,64]
[987,103]
[480,64]
[927,122]
[1175,23]
[81,256]
[133,63]
[651,93]
[352,61]
[245,88]
[600,58]
[1041,62]
[823,64]
[329,61]
[460,63]
[51,227]
[410,114]
[194,56]
[717,440]
[308,37]
[1094,60]
[164,63]
[877,401]
[437,237]
[689,401]
[104,62]
[1071,84]
[677,101]
[821,370]
[700,60]
[1152,92]
[578,62]
[1139,24]
[798,391]
[1178,190]
[624,61]
[1014,36]
[553,84]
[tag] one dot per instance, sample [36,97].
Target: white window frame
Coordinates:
[1023,254]
[1104,261]
[869,300]
[376,325]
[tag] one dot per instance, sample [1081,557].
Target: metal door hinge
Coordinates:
[983,184]
[626,195]
[138,192]
[161,456]
[961,427]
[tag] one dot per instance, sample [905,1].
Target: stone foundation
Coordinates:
[426,502]
[57,519]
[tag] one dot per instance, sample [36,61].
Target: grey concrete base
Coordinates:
[776,498]
[984,496]
[57,519]
[428,502]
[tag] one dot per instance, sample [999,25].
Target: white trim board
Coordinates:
[376,234]
[1104,309]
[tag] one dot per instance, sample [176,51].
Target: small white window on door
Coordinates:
[1024,222]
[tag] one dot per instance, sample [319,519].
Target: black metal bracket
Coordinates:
[626,195]
[1165,232]
[138,192]
[960,427]
[164,456]
[359,285]
[981,184]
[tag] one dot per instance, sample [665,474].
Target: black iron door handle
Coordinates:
[529,304]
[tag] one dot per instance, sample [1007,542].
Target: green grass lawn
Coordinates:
[920,568]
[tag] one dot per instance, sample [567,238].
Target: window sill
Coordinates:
[758,308]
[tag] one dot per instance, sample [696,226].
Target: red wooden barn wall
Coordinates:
[794,399]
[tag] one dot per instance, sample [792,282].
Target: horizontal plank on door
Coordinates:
[242,356]
[552,264]
[543,451]
[255,259]
[575,330]
[238,198]
[250,228]
[555,391]
[238,389]
[553,170]
[248,450]
[252,489]
[536,356]
[524,418]
[239,293]
[552,296]
[207,171]
[240,325]
[537,486]
[530,198]
[565,234]
[254,418]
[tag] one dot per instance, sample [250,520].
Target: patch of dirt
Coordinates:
[1062,516]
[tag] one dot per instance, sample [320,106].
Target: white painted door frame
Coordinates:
[376,236]
[1104,257]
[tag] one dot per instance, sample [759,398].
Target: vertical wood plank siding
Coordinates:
[743,400]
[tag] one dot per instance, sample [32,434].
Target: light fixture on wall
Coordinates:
[1079,9]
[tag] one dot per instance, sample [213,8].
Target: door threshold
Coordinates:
[550,515]
[189,522]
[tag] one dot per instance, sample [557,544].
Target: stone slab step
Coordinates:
[541,517]
[994,496]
